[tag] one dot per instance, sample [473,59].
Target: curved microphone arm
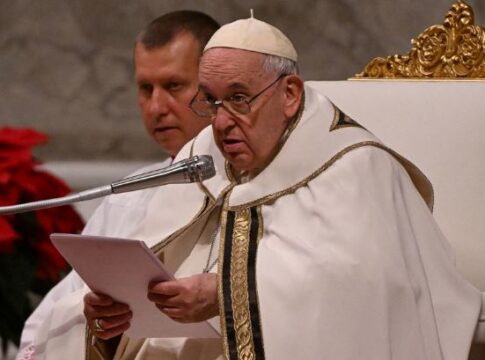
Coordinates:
[194,169]
[65,200]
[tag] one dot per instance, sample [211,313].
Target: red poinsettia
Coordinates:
[28,260]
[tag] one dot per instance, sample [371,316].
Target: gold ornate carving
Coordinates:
[455,50]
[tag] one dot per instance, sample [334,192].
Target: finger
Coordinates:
[176,314]
[111,333]
[175,301]
[158,298]
[114,321]
[99,299]
[116,309]
[172,311]
[170,288]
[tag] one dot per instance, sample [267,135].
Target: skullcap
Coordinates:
[253,35]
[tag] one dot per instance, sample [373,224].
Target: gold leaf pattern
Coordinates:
[239,286]
[454,50]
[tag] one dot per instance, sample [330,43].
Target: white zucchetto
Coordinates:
[253,35]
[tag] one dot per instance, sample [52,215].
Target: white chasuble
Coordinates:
[331,252]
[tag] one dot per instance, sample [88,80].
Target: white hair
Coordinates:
[279,65]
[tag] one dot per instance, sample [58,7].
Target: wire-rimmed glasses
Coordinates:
[238,104]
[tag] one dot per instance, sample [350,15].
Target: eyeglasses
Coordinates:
[235,104]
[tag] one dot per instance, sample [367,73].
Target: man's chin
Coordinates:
[170,147]
[239,162]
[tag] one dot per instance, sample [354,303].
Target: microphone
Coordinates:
[194,169]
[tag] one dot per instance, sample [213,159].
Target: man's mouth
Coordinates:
[231,141]
[164,128]
[232,145]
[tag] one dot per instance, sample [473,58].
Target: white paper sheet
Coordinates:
[122,269]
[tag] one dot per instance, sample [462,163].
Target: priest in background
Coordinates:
[166,58]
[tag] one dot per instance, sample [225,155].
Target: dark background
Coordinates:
[66,66]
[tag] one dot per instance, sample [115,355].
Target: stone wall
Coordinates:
[66,66]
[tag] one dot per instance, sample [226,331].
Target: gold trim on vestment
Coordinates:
[239,285]
[234,280]
[428,198]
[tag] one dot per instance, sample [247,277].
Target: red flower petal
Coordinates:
[20,137]
[50,263]
[21,182]
[9,195]
[7,236]
[39,185]
[61,219]
[10,160]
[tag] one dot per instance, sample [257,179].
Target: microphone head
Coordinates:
[200,168]
[195,169]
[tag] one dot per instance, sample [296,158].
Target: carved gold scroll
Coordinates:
[455,50]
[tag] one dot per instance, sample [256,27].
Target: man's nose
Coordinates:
[159,102]
[222,119]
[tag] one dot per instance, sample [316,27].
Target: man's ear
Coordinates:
[293,93]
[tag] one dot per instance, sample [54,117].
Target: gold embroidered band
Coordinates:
[242,328]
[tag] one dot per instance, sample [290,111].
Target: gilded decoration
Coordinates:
[239,286]
[454,50]
[238,298]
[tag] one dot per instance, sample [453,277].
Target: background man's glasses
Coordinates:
[238,104]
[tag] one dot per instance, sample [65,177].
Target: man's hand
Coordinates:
[112,317]
[186,300]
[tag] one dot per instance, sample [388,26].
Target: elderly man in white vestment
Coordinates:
[166,58]
[323,238]
[313,240]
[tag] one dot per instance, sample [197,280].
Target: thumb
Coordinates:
[169,287]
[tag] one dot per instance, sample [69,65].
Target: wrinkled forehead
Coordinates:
[228,65]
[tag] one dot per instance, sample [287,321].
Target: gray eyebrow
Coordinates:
[239,86]
[233,86]
[204,90]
